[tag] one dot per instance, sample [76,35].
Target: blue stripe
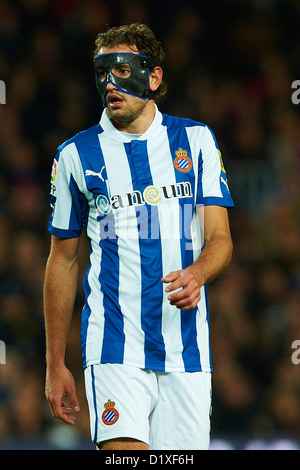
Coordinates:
[79,216]
[92,158]
[95,405]
[62,233]
[217,201]
[113,335]
[109,416]
[183,163]
[86,312]
[151,260]
[190,354]
[208,323]
[80,136]
[199,197]
[79,209]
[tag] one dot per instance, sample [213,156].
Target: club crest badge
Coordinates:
[182,162]
[110,415]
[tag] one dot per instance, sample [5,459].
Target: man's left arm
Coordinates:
[213,259]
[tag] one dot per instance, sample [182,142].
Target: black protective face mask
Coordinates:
[128,72]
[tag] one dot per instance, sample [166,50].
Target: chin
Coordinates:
[116,114]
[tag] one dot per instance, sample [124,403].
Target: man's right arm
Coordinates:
[60,286]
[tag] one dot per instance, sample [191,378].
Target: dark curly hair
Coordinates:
[143,38]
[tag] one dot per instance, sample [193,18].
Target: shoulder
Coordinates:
[81,138]
[180,122]
[197,129]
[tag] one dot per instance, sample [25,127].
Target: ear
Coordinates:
[155,79]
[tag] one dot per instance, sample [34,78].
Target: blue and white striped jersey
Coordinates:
[137,199]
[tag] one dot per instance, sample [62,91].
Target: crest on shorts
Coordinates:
[110,415]
[182,162]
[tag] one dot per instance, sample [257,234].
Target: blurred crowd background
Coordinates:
[230,64]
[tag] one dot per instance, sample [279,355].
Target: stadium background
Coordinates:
[229,64]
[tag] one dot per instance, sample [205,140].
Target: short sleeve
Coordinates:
[68,204]
[212,178]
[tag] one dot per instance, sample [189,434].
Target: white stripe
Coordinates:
[194,136]
[95,299]
[95,328]
[211,166]
[90,399]
[170,245]
[203,332]
[62,211]
[129,255]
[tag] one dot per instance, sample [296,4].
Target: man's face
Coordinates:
[121,106]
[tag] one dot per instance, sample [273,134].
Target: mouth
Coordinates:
[114,100]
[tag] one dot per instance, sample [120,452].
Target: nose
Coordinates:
[110,86]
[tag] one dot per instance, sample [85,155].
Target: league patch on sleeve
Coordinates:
[53,177]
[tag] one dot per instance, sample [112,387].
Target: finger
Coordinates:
[190,291]
[183,280]
[185,295]
[187,303]
[58,407]
[74,403]
[51,409]
[48,397]
[68,415]
[65,413]
[181,294]
[172,276]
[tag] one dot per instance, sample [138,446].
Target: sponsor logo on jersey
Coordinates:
[110,415]
[224,182]
[103,204]
[182,162]
[151,195]
[94,173]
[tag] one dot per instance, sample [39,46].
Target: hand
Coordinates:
[189,294]
[59,384]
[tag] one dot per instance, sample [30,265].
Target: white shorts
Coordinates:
[166,410]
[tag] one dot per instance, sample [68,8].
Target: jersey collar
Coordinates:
[113,133]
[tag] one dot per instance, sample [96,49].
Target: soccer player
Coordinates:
[152,194]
